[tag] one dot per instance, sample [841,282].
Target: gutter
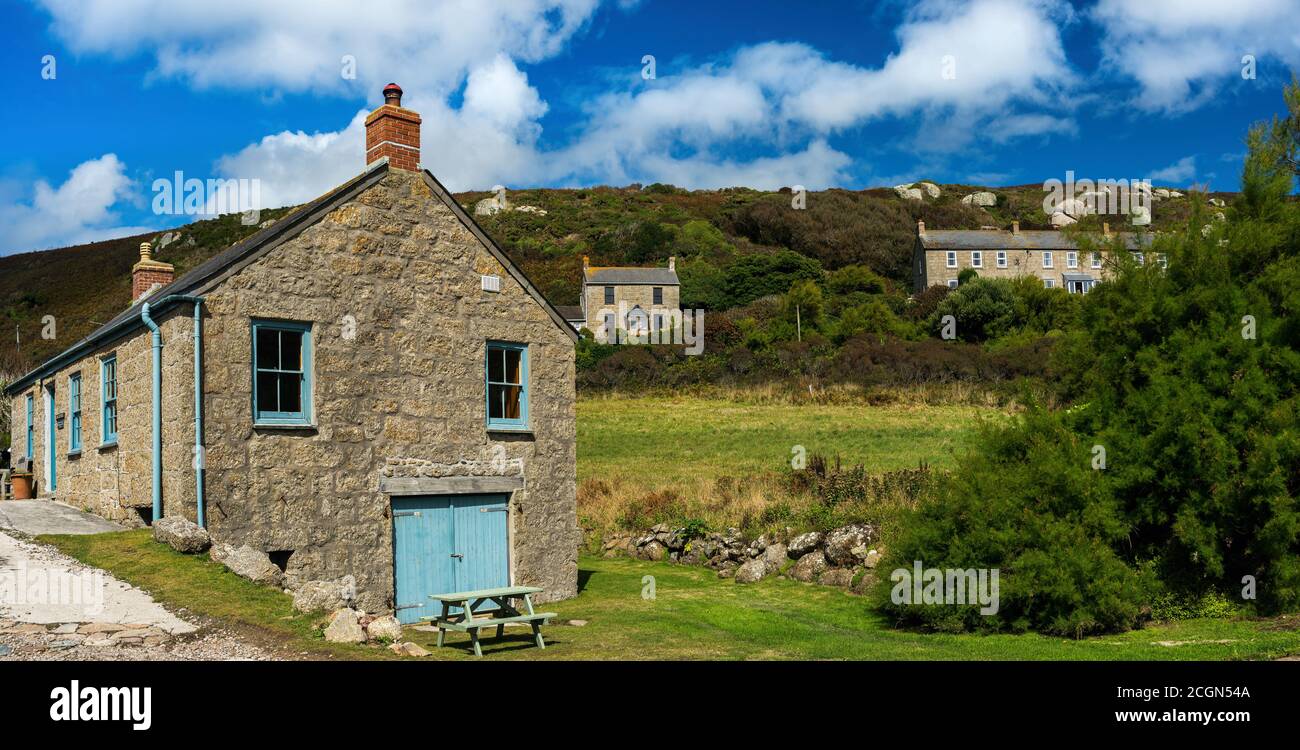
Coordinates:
[156,334]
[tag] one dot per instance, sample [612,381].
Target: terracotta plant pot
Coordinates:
[22,486]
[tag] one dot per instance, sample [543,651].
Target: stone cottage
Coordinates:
[367,390]
[636,300]
[940,255]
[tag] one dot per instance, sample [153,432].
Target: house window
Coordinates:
[74,412]
[31,432]
[108,398]
[1002,259]
[1072,259]
[1096,260]
[976,259]
[1163,260]
[952,258]
[952,283]
[1048,283]
[658,295]
[1047,259]
[1140,258]
[609,295]
[281,373]
[507,386]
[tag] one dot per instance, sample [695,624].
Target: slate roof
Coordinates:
[203,276]
[630,275]
[571,312]
[1025,239]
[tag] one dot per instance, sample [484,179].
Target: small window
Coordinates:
[976,259]
[952,258]
[507,386]
[31,432]
[1072,259]
[1002,259]
[74,412]
[1047,259]
[952,283]
[609,295]
[1096,260]
[1140,258]
[658,295]
[1048,283]
[108,398]
[1163,260]
[281,373]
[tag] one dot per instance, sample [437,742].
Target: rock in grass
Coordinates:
[847,546]
[408,649]
[249,563]
[320,596]
[345,627]
[840,577]
[803,544]
[181,534]
[774,556]
[808,567]
[752,571]
[385,627]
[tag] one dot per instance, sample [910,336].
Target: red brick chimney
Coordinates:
[148,273]
[393,131]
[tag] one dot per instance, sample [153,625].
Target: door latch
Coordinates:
[493,510]
[458,556]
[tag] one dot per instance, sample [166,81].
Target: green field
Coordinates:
[693,615]
[664,439]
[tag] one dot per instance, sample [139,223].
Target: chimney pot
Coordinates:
[1015,227]
[672,262]
[585,262]
[1105,228]
[920,227]
[393,131]
[147,273]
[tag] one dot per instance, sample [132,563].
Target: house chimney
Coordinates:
[672,262]
[1015,227]
[586,262]
[1105,228]
[393,131]
[920,228]
[149,274]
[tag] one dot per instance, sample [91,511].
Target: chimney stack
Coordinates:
[1015,227]
[393,131]
[586,262]
[672,262]
[920,228]
[149,274]
[1105,228]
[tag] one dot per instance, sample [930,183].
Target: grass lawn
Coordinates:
[665,439]
[694,615]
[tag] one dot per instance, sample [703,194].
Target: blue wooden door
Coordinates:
[446,543]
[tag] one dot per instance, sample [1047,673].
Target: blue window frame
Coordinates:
[281,372]
[108,398]
[507,386]
[31,428]
[74,412]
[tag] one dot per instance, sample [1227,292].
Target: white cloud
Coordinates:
[1183,52]
[1177,173]
[80,210]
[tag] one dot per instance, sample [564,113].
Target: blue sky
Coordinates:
[527,93]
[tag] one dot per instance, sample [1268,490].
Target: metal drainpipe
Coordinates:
[157,410]
[157,403]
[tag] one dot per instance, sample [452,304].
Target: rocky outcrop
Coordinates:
[249,563]
[181,534]
[803,544]
[930,189]
[983,199]
[907,192]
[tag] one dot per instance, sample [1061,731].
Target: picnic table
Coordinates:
[472,602]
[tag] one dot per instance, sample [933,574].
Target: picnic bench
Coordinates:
[473,602]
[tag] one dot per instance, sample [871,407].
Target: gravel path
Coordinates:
[54,608]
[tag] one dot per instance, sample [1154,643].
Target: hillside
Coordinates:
[709,231]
